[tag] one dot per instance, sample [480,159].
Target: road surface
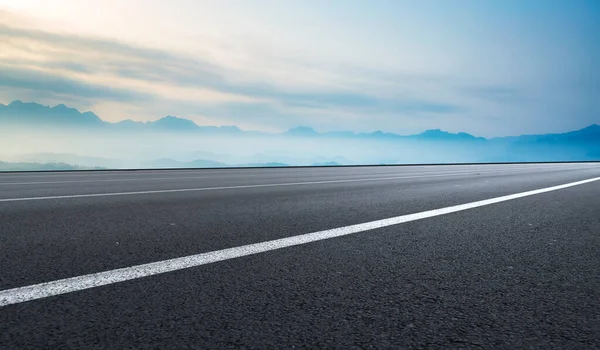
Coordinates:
[461,256]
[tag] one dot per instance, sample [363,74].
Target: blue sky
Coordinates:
[490,68]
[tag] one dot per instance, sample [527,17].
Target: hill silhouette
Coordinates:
[583,144]
[30,115]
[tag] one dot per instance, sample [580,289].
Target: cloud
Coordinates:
[45,83]
[487,70]
[97,68]
[100,59]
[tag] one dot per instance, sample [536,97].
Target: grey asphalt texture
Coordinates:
[519,274]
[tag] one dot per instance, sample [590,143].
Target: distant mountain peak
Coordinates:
[89,113]
[129,122]
[445,135]
[16,103]
[171,117]
[435,132]
[61,108]
[35,114]
[174,123]
[593,127]
[302,131]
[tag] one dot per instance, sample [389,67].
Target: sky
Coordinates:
[489,68]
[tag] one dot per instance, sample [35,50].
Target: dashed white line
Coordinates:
[211,188]
[68,285]
[113,180]
[413,176]
[198,189]
[213,172]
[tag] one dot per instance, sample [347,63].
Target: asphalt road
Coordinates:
[520,273]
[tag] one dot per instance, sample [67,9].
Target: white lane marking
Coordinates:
[146,179]
[114,180]
[73,284]
[214,188]
[247,175]
[135,172]
[109,194]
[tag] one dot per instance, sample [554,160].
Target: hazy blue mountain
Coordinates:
[33,114]
[173,124]
[72,159]
[129,124]
[203,163]
[588,137]
[585,135]
[340,134]
[24,166]
[381,135]
[168,123]
[303,131]
[576,145]
[579,144]
[171,163]
[439,135]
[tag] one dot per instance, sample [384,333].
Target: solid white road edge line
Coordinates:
[471,171]
[114,180]
[225,187]
[484,168]
[109,194]
[68,285]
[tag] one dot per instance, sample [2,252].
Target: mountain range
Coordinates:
[429,146]
[30,114]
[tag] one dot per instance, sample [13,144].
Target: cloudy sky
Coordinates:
[490,68]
